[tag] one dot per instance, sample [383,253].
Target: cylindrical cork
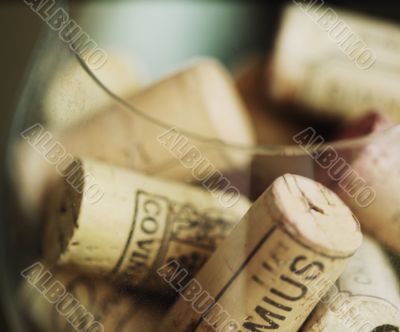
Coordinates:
[366,298]
[367,177]
[317,68]
[272,269]
[67,301]
[200,98]
[136,224]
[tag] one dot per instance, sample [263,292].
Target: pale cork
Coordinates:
[366,298]
[200,98]
[268,273]
[136,225]
[336,63]
[95,305]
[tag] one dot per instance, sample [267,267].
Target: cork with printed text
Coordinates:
[270,273]
[136,224]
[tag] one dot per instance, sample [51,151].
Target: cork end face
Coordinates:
[314,215]
[62,216]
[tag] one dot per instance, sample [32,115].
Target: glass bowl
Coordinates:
[63,90]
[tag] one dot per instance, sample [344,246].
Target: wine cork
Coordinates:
[297,234]
[67,301]
[138,224]
[336,64]
[366,299]
[73,96]
[367,177]
[200,98]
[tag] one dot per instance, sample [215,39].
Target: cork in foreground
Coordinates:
[298,234]
[139,224]
[367,297]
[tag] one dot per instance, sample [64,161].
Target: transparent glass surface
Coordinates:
[63,94]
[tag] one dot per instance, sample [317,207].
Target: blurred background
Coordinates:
[20,29]
[254,23]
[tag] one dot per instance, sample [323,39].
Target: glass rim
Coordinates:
[266,149]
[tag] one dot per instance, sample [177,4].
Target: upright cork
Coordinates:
[135,224]
[366,298]
[200,98]
[272,269]
[67,301]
